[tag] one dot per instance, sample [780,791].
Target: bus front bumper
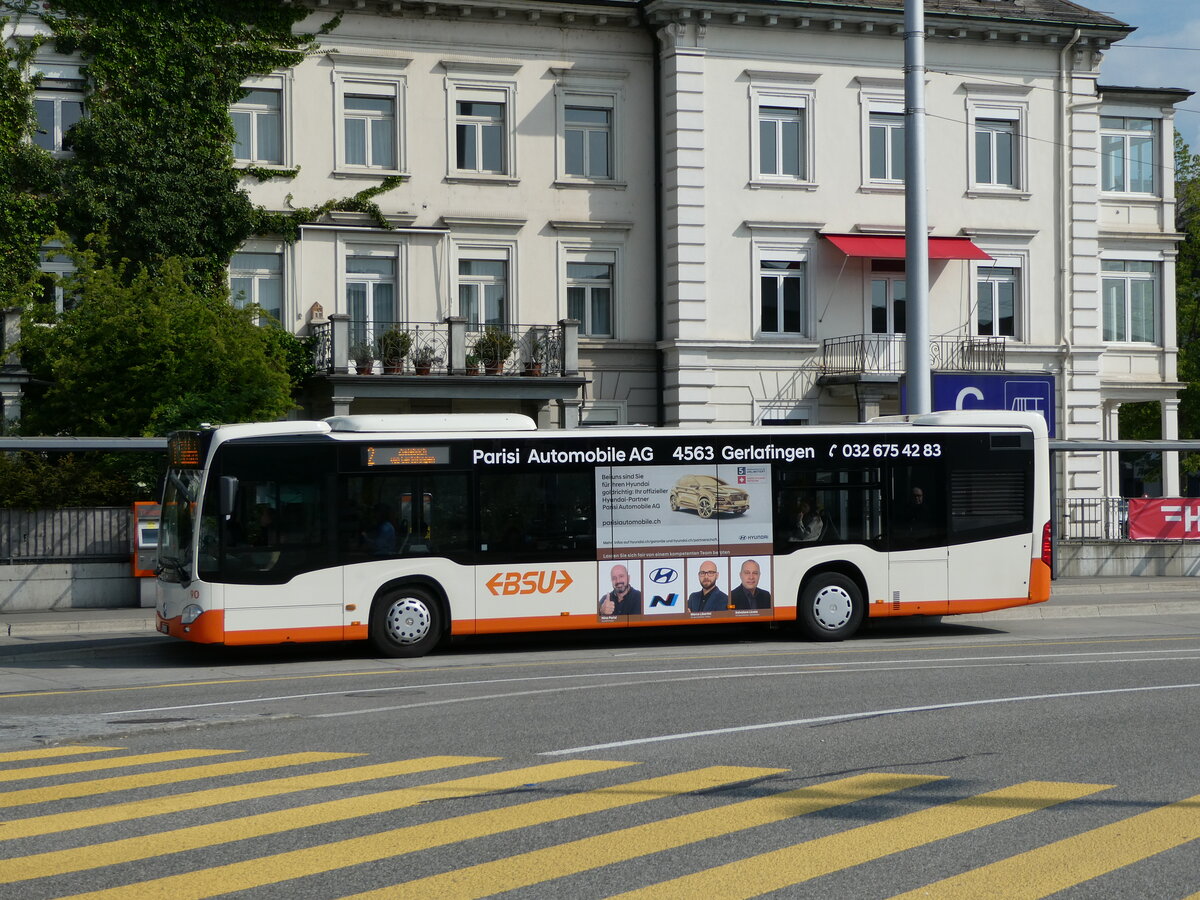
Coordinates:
[208,628]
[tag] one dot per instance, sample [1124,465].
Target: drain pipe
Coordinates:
[660,365]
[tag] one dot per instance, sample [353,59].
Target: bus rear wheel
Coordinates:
[406,623]
[831,607]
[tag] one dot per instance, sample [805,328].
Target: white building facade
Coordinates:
[693,212]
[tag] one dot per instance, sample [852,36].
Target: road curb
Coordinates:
[1085,611]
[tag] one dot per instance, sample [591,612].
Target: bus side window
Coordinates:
[542,515]
[918,507]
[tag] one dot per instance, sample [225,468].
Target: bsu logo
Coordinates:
[536,582]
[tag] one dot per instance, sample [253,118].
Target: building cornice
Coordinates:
[1022,21]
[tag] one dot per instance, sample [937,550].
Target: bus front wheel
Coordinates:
[831,607]
[406,623]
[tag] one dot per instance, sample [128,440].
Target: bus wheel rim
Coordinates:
[832,607]
[408,620]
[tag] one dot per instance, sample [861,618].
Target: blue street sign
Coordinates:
[975,390]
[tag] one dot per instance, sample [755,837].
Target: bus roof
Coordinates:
[424,422]
[400,425]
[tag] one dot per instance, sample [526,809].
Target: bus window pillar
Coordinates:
[1170,460]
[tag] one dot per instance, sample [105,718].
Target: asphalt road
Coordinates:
[1016,758]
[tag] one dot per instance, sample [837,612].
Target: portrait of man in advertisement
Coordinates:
[709,597]
[624,599]
[751,593]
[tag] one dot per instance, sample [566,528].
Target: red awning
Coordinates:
[891,246]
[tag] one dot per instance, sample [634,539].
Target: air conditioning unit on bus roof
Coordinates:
[432,422]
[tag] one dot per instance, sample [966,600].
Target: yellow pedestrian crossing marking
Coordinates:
[398,841]
[74,789]
[104,854]
[920,820]
[801,862]
[52,752]
[1074,860]
[97,765]
[642,840]
[142,809]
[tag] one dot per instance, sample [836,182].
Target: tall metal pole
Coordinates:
[916,232]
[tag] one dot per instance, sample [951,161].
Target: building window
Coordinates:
[370,297]
[258,127]
[1130,292]
[590,297]
[782,142]
[783,300]
[369,130]
[886,146]
[480,136]
[1127,153]
[55,268]
[995,152]
[888,296]
[588,139]
[483,292]
[56,113]
[996,293]
[257,278]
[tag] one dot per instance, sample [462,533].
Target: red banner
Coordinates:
[1164,519]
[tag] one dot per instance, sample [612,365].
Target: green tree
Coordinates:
[153,164]
[27,212]
[147,352]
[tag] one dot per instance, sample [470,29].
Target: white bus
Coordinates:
[406,530]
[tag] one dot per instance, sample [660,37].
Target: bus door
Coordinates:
[918,562]
[400,523]
[275,556]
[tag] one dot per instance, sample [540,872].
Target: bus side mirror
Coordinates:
[229,489]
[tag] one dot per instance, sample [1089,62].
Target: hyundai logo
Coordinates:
[663,575]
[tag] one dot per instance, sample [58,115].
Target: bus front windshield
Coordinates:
[177,527]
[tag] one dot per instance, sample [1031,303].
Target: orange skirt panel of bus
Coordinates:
[1039,592]
[579,622]
[209,628]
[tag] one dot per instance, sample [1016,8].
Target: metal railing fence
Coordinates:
[884,354]
[1093,519]
[65,535]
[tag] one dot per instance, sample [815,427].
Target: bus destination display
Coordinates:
[405,456]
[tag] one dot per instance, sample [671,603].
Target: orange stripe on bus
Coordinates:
[583,620]
[287,635]
[1039,581]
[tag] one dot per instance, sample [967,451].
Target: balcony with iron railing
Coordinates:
[451,347]
[885,354]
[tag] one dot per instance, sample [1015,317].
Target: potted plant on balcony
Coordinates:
[538,352]
[494,346]
[363,354]
[471,364]
[394,345]
[424,358]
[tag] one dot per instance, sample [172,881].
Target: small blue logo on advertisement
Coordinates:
[664,575]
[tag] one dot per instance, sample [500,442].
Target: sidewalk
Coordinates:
[1070,598]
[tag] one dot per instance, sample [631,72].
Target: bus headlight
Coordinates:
[190,614]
